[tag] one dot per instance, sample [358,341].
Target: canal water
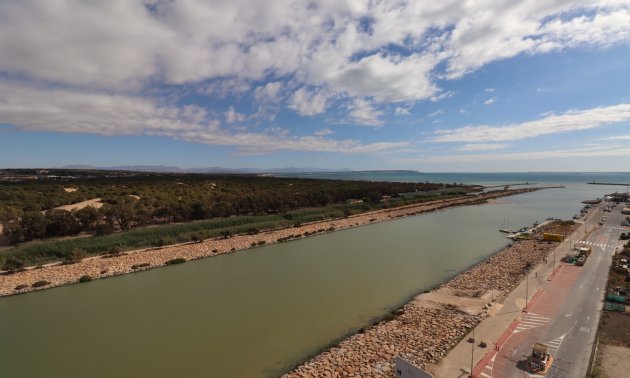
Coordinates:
[259,312]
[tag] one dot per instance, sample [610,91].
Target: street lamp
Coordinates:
[472,353]
[526,290]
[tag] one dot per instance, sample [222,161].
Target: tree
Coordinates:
[121,214]
[34,225]
[87,216]
[61,223]
[198,211]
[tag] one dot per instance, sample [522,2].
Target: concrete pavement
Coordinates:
[509,319]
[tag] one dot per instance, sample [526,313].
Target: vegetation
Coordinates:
[141,265]
[41,283]
[155,209]
[179,260]
[13,264]
[85,278]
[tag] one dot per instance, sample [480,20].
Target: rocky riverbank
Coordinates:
[423,331]
[111,265]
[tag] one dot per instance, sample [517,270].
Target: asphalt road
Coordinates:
[573,330]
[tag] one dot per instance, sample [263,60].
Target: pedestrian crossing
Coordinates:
[622,228]
[554,345]
[530,321]
[600,245]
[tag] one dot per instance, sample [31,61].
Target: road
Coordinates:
[576,324]
[564,315]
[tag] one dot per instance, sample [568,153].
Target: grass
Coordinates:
[45,251]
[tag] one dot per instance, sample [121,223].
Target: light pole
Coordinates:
[526,290]
[472,353]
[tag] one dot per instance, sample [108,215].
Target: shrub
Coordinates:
[12,264]
[138,266]
[195,238]
[178,260]
[85,278]
[254,244]
[233,249]
[40,283]
[76,255]
[252,231]
[262,242]
[215,250]
[103,229]
[20,287]
[297,224]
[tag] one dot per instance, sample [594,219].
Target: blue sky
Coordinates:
[454,86]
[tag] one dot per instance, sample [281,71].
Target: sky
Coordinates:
[434,86]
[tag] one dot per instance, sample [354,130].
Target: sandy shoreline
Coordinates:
[108,266]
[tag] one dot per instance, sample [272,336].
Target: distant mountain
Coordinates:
[136,168]
[163,168]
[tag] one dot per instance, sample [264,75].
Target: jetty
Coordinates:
[608,183]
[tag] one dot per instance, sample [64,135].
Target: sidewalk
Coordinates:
[505,317]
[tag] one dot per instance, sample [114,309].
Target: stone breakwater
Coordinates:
[503,271]
[107,266]
[423,332]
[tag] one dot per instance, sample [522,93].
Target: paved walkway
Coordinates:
[509,317]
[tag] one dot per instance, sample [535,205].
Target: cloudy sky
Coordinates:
[428,85]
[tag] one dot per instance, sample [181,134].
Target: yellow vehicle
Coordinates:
[553,237]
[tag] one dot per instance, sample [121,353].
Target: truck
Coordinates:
[541,359]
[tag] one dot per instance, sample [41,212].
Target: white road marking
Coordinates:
[530,321]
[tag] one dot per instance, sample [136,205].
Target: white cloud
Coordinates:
[362,112]
[138,48]
[489,90]
[401,111]
[510,28]
[270,92]
[482,147]
[309,102]
[573,120]
[323,132]
[232,116]
[72,111]
[618,137]
[436,113]
[123,43]
[490,101]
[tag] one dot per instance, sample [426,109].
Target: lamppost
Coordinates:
[526,290]
[472,353]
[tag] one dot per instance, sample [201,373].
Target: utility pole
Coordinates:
[472,354]
[527,289]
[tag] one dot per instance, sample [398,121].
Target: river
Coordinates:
[259,312]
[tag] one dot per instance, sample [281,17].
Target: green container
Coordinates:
[616,298]
[614,306]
